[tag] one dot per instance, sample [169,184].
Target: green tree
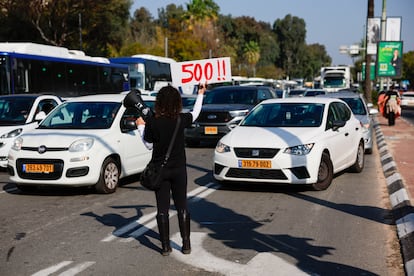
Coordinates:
[102,25]
[291,34]
[408,67]
[251,53]
[315,58]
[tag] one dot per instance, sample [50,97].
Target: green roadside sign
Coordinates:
[371,73]
[389,59]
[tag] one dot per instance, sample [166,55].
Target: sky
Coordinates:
[333,23]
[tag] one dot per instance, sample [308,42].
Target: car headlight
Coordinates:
[13,133]
[81,145]
[222,148]
[238,113]
[300,149]
[17,143]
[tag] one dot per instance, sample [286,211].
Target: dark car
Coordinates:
[223,109]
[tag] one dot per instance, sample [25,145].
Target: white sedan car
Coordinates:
[86,141]
[407,99]
[20,113]
[292,141]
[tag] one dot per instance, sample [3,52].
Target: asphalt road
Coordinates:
[408,114]
[236,230]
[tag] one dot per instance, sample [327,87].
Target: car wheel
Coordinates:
[325,173]
[109,178]
[360,159]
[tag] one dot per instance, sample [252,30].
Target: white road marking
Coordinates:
[52,269]
[262,264]
[77,269]
[148,221]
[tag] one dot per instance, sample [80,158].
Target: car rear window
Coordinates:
[242,96]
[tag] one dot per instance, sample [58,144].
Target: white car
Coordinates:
[86,141]
[20,113]
[292,141]
[407,99]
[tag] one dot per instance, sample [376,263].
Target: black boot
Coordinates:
[184,224]
[164,229]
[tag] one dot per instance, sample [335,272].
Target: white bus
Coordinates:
[36,68]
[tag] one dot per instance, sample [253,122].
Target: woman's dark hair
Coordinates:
[168,102]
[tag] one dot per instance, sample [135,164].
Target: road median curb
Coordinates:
[402,209]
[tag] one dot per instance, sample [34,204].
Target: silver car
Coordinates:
[362,111]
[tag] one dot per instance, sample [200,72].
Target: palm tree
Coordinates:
[251,53]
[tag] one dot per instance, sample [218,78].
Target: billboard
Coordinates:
[389,59]
[373,34]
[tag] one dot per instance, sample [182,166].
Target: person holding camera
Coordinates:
[157,131]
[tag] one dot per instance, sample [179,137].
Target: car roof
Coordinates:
[34,96]
[238,87]
[322,100]
[341,94]
[106,98]
[98,98]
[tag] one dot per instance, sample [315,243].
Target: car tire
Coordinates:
[358,166]
[109,177]
[325,173]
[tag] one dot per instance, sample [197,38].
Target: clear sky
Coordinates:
[332,23]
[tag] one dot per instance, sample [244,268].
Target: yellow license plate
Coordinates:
[255,164]
[38,168]
[210,130]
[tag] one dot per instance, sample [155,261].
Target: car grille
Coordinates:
[56,174]
[214,117]
[256,173]
[255,152]
[47,149]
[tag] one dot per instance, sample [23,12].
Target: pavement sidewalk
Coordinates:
[396,148]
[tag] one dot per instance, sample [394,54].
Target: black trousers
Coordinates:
[174,182]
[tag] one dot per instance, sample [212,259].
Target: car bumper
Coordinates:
[77,169]
[5,146]
[206,132]
[285,169]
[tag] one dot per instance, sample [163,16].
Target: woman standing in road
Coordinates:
[158,131]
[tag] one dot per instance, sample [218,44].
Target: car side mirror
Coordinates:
[128,124]
[338,124]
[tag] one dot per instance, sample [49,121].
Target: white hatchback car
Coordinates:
[292,141]
[20,113]
[86,141]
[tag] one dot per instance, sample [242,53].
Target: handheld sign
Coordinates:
[192,72]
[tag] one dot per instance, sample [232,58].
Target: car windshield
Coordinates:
[82,115]
[242,96]
[14,110]
[285,115]
[356,105]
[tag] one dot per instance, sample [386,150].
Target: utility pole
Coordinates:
[367,84]
[383,26]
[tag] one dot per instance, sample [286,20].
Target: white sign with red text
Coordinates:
[192,72]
